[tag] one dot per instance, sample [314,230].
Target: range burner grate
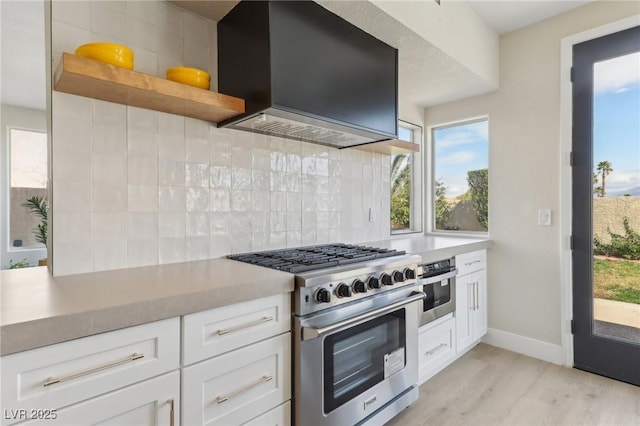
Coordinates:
[304,259]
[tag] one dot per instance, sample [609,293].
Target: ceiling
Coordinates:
[427,77]
[508,15]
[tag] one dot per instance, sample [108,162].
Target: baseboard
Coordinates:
[524,345]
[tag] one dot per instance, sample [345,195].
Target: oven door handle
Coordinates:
[437,278]
[310,333]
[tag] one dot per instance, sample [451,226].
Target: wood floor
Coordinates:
[492,386]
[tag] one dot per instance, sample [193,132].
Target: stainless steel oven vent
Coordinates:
[269,124]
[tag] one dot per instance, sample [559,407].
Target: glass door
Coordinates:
[360,357]
[606,205]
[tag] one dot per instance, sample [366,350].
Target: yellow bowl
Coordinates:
[189,79]
[110,53]
[191,76]
[200,74]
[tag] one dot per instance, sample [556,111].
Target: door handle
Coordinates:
[310,333]
[222,331]
[261,380]
[438,278]
[71,376]
[172,412]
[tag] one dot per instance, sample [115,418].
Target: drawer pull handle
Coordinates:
[53,380]
[243,326]
[472,262]
[172,412]
[436,349]
[261,380]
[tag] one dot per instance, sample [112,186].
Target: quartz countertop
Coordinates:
[434,247]
[38,309]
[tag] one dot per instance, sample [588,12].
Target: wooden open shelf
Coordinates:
[93,79]
[390,147]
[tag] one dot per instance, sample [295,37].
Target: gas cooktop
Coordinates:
[305,259]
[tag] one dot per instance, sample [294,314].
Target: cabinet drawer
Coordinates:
[234,388]
[154,402]
[216,331]
[55,376]
[436,348]
[471,262]
[279,416]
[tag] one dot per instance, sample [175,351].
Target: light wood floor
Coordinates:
[492,386]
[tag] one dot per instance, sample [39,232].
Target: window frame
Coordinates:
[416,200]
[431,187]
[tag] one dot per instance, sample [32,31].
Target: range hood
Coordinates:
[307,74]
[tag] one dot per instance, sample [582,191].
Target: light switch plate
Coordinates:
[544,217]
[372,214]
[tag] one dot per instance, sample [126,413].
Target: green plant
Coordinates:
[18,265]
[479,187]
[626,246]
[401,192]
[39,206]
[443,208]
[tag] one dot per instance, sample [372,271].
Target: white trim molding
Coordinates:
[566,108]
[524,345]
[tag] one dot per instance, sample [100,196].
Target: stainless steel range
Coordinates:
[355,322]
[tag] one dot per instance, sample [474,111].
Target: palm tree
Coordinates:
[604,167]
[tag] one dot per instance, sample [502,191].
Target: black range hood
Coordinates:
[307,74]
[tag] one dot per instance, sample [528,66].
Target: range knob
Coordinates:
[359,286]
[322,295]
[409,273]
[386,279]
[398,277]
[373,282]
[343,290]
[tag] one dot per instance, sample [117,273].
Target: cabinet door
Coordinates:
[216,331]
[279,416]
[464,317]
[436,347]
[66,373]
[154,402]
[479,313]
[236,387]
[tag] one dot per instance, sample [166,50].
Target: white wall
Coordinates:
[133,187]
[22,118]
[454,28]
[525,163]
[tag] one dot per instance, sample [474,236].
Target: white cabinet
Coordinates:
[233,388]
[279,416]
[63,374]
[154,402]
[237,364]
[216,331]
[471,299]
[436,346]
[236,369]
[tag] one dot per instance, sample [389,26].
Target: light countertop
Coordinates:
[38,309]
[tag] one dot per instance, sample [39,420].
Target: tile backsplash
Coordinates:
[133,187]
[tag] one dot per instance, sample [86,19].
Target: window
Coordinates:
[461,176]
[28,185]
[406,170]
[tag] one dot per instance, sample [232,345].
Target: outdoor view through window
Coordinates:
[461,176]
[28,188]
[403,181]
[616,192]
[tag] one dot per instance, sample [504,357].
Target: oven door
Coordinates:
[349,364]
